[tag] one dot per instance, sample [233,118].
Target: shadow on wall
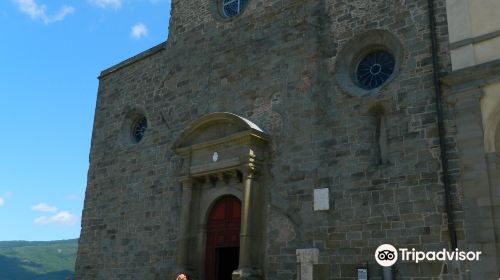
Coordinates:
[14,269]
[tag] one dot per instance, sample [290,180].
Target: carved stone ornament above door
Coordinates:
[219,143]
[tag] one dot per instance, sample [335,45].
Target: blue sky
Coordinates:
[51,52]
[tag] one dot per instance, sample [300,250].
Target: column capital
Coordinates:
[460,96]
[248,170]
[307,258]
[186,182]
[307,255]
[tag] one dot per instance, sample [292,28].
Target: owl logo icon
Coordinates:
[386,255]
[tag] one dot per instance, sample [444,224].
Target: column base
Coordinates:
[247,274]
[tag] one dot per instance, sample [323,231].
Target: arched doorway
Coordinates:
[223,239]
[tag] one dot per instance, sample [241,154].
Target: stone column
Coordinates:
[479,232]
[248,240]
[306,258]
[182,250]
[492,162]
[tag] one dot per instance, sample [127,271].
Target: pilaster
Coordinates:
[479,220]
[182,251]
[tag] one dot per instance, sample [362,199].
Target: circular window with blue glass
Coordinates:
[227,10]
[374,69]
[368,63]
[231,8]
[134,127]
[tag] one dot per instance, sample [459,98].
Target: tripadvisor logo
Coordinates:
[388,255]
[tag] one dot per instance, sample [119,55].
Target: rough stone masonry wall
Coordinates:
[274,65]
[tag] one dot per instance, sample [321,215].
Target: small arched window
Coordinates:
[380,142]
[231,8]
[381,137]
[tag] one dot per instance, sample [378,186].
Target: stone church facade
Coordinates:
[287,140]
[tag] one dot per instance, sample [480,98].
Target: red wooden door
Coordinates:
[223,231]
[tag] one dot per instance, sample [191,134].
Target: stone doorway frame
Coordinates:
[215,149]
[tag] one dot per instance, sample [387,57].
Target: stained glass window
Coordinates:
[231,8]
[139,129]
[375,69]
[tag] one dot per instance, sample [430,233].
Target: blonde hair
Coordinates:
[181,277]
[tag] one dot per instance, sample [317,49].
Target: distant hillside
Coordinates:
[23,260]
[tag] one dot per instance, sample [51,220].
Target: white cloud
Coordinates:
[61,218]
[138,31]
[114,4]
[2,201]
[39,12]
[43,207]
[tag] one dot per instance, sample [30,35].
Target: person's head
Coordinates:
[181,277]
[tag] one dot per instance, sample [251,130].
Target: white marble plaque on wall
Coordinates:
[321,199]
[362,274]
